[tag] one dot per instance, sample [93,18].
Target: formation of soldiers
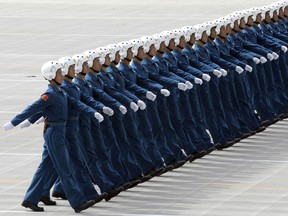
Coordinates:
[119,115]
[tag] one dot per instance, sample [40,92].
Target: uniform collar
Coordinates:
[54,88]
[67,83]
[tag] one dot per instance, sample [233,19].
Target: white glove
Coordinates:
[248,68]
[134,106]
[25,123]
[284,49]
[270,56]
[108,111]
[217,73]
[224,72]
[182,86]
[165,92]
[275,55]
[150,96]
[98,116]
[141,104]
[256,60]
[189,85]
[40,120]
[198,81]
[206,77]
[263,59]
[123,109]
[8,126]
[239,69]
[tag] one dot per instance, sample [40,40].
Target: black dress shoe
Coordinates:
[245,135]
[253,133]
[189,157]
[84,206]
[260,129]
[283,116]
[226,145]
[126,185]
[100,197]
[134,183]
[47,201]
[144,178]
[32,206]
[152,172]
[59,195]
[272,121]
[211,149]
[114,192]
[202,154]
[263,123]
[236,140]
[178,164]
[167,168]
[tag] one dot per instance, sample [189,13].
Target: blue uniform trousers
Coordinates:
[113,152]
[80,171]
[160,120]
[124,145]
[146,132]
[136,143]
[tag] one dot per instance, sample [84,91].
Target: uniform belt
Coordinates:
[63,123]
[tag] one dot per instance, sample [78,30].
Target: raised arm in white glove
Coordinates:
[256,60]
[108,111]
[239,69]
[25,123]
[182,86]
[284,49]
[248,68]
[123,109]
[98,116]
[270,56]
[275,55]
[150,96]
[217,73]
[198,81]
[8,126]
[189,85]
[141,104]
[134,106]
[165,92]
[206,77]
[224,72]
[40,120]
[263,59]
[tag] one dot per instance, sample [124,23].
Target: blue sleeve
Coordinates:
[232,60]
[36,107]
[132,87]
[208,62]
[223,63]
[123,99]
[130,95]
[149,84]
[167,82]
[34,118]
[172,76]
[81,107]
[256,48]
[90,101]
[184,75]
[194,71]
[106,99]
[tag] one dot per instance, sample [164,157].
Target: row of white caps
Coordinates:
[165,36]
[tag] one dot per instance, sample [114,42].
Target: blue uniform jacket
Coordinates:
[53,104]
